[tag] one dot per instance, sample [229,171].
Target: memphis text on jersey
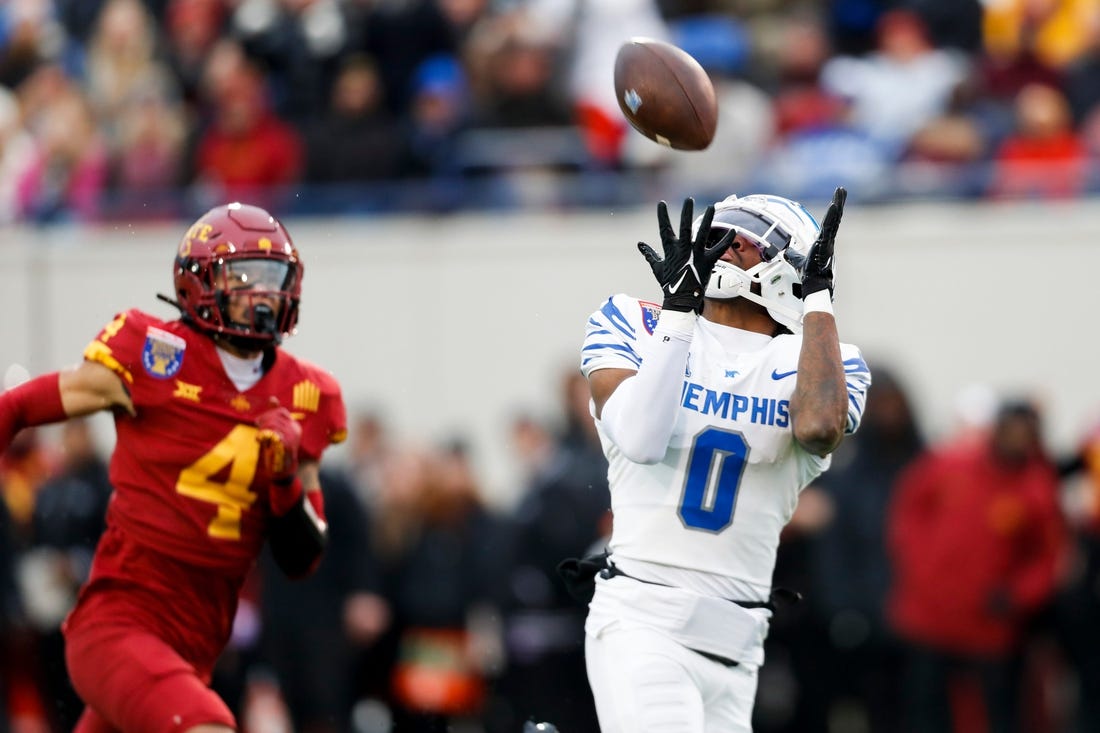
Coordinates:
[736,407]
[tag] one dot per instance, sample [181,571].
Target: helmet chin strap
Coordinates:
[771,305]
[741,287]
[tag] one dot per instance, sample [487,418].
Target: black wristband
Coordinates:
[691,302]
[297,539]
[811,284]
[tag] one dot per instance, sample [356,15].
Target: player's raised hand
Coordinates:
[684,270]
[279,436]
[818,273]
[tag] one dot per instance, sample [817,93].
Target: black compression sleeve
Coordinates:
[298,539]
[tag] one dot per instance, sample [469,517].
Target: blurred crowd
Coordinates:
[129,109]
[948,585]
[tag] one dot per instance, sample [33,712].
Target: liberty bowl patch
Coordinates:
[650,312]
[162,355]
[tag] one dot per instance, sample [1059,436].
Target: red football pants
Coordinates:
[132,681]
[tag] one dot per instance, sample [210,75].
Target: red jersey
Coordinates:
[188,515]
[184,467]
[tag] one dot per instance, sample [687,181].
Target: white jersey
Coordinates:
[715,504]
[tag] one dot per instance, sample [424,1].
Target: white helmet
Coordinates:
[784,231]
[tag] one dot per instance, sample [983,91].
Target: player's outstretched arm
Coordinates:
[57,396]
[637,410]
[685,269]
[819,406]
[92,387]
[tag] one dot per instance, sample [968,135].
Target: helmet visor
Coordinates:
[769,234]
[255,275]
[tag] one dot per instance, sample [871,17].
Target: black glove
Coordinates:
[685,269]
[579,574]
[818,273]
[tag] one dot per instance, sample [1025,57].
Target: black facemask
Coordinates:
[264,320]
[264,323]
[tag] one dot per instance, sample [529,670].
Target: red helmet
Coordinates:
[244,251]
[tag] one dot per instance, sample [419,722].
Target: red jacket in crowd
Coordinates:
[976,546]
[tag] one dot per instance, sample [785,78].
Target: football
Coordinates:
[665,94]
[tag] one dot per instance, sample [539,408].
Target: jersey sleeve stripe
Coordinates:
[596,351]
[617,319]
[857,379]
[102,354]
[855,413]
[625,348]
[611,337]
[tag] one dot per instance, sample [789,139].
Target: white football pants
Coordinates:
[644,682]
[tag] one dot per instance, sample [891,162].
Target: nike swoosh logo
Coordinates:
[672,288]
[782,375]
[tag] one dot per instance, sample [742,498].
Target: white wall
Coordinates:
[450,324]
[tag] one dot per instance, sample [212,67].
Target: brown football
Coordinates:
[665,94]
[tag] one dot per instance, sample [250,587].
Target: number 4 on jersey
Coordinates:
[240,452]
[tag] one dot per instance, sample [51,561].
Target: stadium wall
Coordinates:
[449,325]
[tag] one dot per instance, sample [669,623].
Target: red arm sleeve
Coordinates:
[37,402]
